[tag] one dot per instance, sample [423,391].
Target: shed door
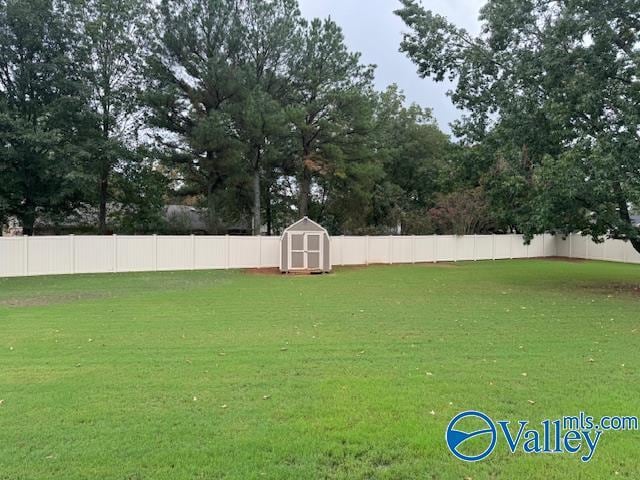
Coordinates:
[313,251]
[305,251]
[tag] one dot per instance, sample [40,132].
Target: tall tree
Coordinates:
[414,153]
[113,42]
[42,115]
[552,90]
[329,107]
[194,92]
[270,38]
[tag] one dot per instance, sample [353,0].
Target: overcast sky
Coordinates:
[370,27]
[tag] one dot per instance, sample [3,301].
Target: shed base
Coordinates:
[304,272]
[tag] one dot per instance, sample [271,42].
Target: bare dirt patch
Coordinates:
[615,288]
[263,271]
[564,259]
[44,300]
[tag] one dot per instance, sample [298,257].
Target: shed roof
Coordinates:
[305,224]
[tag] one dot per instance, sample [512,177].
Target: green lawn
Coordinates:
[228,374]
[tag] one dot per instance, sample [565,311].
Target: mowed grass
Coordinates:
[236,375]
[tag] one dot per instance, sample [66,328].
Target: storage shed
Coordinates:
[305,247]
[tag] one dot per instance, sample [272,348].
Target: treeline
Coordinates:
[112,109]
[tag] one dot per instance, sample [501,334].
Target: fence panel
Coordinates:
[424,248]
[464,247]
[378,249]
[174,252]
[270,252]
[484,247]
[13,256]
[134,253]
[211,252]
[243,252]
[445,248]
[50,255]
[94,254]
[354,251]
[402,249]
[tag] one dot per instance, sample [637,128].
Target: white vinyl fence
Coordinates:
[24,256]
[577,246]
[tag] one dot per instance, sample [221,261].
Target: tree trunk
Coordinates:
[102,215]
[305,192]
[28,220]
[625,216]
[212,221]
[257,219]
[269,213]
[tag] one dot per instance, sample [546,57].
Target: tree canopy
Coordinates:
[552,91]
[112,111]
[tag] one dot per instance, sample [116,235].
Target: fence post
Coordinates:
[543,242]
[115,253]
[511,246]
[228,248]
[390,249]
[475,252]
[413,249]
[193,252]
[586,247]
[155,252]
[493,246]
[366,250]
[435,248]
[260,251]
[570,246]
[72,248]
[25,257]
[455,247]
[343,249]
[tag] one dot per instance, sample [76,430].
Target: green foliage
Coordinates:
[113,41]
[140,191]
[243,107]
[41,111]
[551,90]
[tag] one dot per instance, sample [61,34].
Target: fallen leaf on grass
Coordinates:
[223,406]
[531,402]
[266,397]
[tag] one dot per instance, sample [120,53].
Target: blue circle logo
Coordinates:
[457,437]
